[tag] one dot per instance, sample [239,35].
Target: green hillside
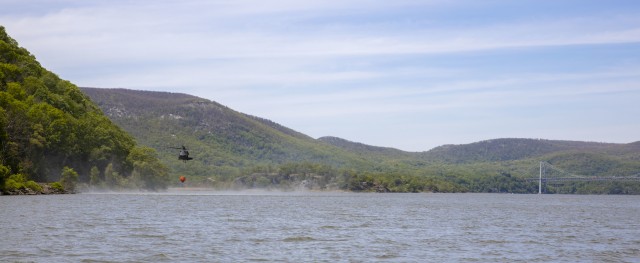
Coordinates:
[50,131]
[222,141]
[232,149]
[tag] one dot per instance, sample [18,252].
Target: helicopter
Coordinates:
[184,154]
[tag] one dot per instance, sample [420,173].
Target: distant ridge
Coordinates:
[508,149]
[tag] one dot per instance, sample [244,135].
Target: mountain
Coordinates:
[220,139]
[231,146]
[231,149]
[49,131]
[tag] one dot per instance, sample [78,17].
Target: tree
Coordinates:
[148,172]
[94,177]
[69,179]
[4,174]
[111,177]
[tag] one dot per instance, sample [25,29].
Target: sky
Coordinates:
[406,74]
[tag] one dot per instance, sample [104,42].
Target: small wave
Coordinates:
[298,239]
[493,241]
[387,255]
[239,220]
[258,240]
[259,259]
[148,236]
[95,261]
[157,257]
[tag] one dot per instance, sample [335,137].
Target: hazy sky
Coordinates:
[406,74]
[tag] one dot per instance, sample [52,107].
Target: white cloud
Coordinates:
[226,29]
[337,60]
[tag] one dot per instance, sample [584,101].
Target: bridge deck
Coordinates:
[584,179]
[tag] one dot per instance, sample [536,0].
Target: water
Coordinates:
[202,226]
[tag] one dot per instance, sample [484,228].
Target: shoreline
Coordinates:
[47,189]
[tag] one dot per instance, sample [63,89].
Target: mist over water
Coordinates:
[210,191]
[248,226]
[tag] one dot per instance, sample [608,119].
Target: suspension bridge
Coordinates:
[550,174]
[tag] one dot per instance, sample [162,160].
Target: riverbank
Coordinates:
[45,189]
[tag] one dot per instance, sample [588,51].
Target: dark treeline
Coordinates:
[51,132]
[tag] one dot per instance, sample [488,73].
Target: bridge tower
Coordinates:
[540,182]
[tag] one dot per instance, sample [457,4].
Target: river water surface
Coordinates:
[200,226]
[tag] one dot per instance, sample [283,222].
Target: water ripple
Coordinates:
[320,228]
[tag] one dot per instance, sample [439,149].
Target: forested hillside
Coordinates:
[223,142]
[235,150]
[50,131]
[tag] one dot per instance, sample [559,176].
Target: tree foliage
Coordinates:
[148,172]
[69,179]
[47,124]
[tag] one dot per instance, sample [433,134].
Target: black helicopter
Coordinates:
[184,154]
